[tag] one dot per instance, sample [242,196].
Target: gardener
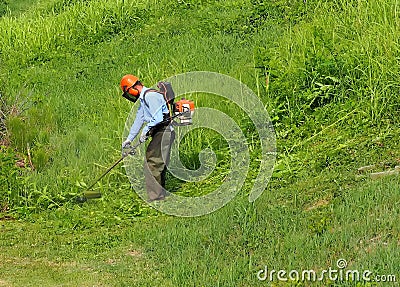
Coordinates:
[152,110]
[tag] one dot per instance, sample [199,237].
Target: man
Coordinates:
[152,110]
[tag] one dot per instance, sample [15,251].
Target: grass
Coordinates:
[16,7]
[327,72]
[79,248]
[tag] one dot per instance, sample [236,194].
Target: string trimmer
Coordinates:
[88,194]
[184,113]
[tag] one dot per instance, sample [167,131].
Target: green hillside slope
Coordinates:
[327,72]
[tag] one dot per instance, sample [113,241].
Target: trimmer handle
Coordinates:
[131,150]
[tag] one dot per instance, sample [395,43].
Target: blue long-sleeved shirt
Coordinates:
[152,113]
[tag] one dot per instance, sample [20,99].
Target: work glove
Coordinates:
[143,137]
[126,144]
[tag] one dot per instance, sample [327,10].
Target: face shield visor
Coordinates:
[131,94]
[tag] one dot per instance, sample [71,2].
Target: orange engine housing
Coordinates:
[184,105]
[186,109]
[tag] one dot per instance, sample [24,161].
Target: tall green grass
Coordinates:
[313,71]
[61,27]
[88,131]
[344,56]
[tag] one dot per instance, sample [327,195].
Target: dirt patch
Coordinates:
[7,218]
[319,203]
[4,142]
[4,283]
[111,261]
[3,208]
[135,253]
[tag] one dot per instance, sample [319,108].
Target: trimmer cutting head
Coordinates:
[88,195]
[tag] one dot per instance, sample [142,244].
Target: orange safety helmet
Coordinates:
[127,83]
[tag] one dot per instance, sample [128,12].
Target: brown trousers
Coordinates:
[157,158]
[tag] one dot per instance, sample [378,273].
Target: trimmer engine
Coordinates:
[184,109]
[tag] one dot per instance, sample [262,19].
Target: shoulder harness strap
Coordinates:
[144,95]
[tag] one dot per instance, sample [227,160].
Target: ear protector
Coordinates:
[131,93]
